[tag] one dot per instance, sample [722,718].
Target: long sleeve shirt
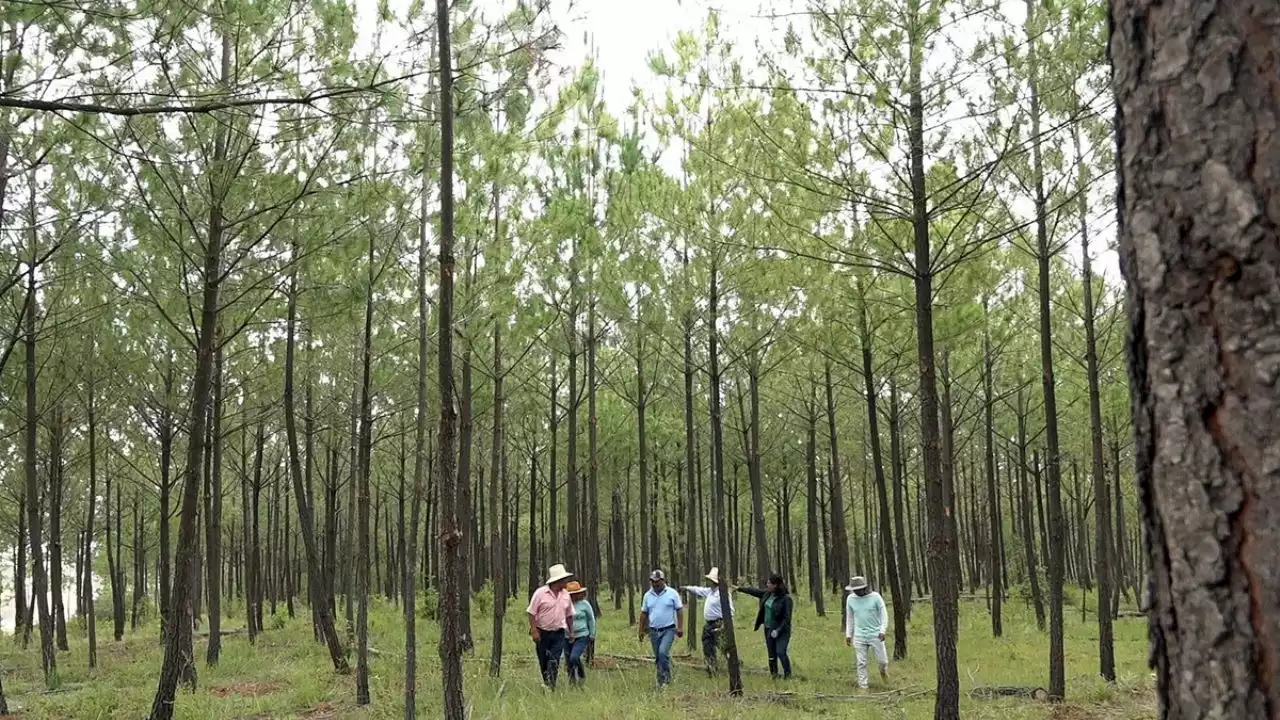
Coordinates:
[584,620]
[711,608]
[865,616]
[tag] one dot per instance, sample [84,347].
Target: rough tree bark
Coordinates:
[1197,106]
[450,538]
[947,701]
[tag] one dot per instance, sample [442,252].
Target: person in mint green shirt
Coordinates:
[865,622]
[584,632]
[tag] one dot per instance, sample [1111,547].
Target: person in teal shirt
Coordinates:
[584,633]
[865,622]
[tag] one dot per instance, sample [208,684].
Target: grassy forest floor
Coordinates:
[287,675]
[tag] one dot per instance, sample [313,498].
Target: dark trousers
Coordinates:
[777,648]
[550,647]
[576,651]
[711,644]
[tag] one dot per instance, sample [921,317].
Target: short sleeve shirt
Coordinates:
[661,607]
[550,610]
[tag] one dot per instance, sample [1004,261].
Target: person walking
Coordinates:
[662,619]
[775,616]
[584,632]
[551,623]
[865,623]
[713,617]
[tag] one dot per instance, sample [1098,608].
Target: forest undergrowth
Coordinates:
[287,675]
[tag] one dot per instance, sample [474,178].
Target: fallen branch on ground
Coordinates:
[989,693]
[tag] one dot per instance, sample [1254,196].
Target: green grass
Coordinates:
[286,675]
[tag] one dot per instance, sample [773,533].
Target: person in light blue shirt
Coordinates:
[714,617]
[584,632]
[865,622]
[662,619]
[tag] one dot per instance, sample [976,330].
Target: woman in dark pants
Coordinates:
[775,616]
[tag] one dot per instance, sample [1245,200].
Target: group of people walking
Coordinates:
[562,624]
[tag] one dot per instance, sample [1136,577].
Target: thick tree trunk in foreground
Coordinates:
[1197,106]
[450,539]
[947,701]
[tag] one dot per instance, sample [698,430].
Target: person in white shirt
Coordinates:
[865,624]
[713,617]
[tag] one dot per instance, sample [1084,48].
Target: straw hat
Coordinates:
[557,573]
[713,576]
[857,583]
[575,588]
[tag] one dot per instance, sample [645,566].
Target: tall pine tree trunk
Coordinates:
[1101,493]
[717,479]
[363,537]
[1053,474]
[178,661]
[993,505]
[886,551]
[451,640]
[947,701]
[35,514]
[498,569]
[306,517]
[839,533]
[1197,103]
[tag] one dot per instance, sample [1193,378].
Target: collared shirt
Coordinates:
[661,607]
[710,609]
[865,616]
[551,610]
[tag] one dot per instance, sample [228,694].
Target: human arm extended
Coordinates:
[701,592]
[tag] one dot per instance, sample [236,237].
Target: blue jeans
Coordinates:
[777,648]
[662,640]
[577,673]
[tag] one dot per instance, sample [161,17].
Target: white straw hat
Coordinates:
[713,576]
[557,573]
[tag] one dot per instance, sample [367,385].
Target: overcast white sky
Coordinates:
[624,33]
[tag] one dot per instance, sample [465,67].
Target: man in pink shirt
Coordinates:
[551,623]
